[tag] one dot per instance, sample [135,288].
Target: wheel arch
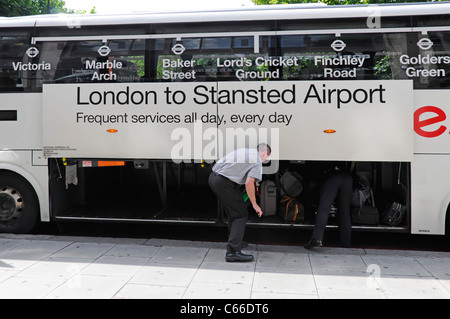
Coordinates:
[33,182]
[447,221]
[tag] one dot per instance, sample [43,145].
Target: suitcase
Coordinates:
[366,214]
[268,202]
[393,215]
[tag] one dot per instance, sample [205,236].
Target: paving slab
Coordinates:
[61,267]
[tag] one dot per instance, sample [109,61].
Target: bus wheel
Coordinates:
[19,207]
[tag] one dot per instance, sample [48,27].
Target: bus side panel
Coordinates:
[21,124]
[371,119]
[432,122]
[430,171]
[151,127]
[430,192]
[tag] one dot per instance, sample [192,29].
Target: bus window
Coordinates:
[428,60]
[94,61]
[212,59]
[17,59]
[348,57]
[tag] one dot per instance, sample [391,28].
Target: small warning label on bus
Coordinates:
[54,151]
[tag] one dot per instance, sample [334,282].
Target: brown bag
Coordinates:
[291,210]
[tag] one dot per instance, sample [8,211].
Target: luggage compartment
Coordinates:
[165,192]
[159,191]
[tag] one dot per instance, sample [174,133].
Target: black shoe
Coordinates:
[238,257]
[313,243]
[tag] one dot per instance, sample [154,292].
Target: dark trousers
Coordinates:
[339,187]
[229,195]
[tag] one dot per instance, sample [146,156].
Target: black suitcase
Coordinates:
[367,213]
[393,215]
[268,202]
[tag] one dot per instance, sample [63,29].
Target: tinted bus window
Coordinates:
[367,21]
[17,61]
[212,59]
[348,57]
[94,61]
[428,60]
[216,26]
[431,20]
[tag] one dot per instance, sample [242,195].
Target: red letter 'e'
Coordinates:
[418,124]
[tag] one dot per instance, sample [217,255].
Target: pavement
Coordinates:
[62,267]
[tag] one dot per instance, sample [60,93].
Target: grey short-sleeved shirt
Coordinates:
[240,164]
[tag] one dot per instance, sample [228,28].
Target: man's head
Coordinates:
[264,151]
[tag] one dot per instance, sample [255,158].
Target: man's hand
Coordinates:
[257,210]
[250,188]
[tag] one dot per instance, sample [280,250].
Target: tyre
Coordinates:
[19,206]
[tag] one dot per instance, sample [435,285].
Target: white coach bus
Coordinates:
[119,118]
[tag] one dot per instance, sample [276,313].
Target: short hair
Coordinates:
[263,147]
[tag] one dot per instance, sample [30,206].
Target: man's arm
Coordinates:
[251,192]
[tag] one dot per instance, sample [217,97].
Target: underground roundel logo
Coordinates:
[338,45]
[32,52]
[425,44]
[104,50]
[178,49]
